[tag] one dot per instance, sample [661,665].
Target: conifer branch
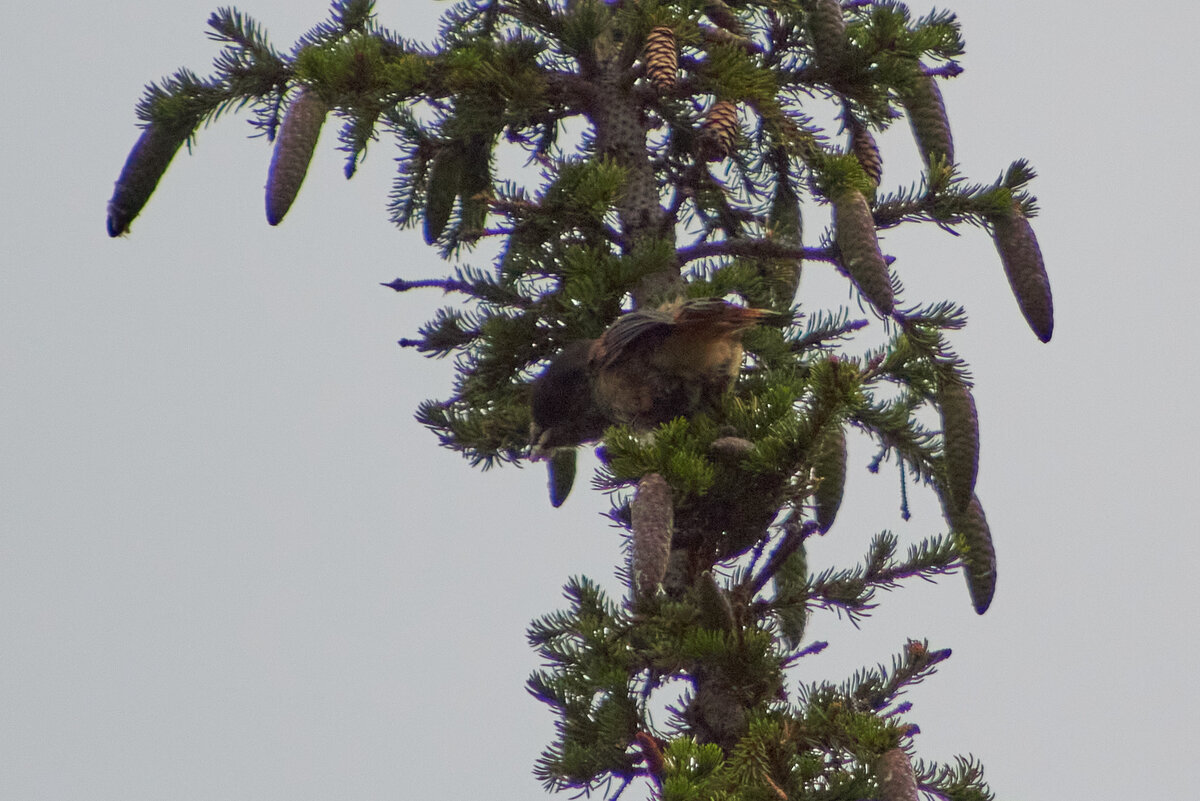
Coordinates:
[754,248]
[793,537]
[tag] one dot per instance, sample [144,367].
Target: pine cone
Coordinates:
[719,132]
[294,145]
[716,613]
[786,224]
[864,148]
[854,232]
[827,28]
[731,449]
[476,184]
[960,435]
[445,177]
[927,116]
[973,539]
[894,774]
[784,217]
[791,583]
[661,57]
[723,15]
[1022,259]
[829,466]
[653,519]
[147,161]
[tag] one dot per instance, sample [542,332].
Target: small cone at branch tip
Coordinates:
[719,132]
[1022,259]
[445,176]
[653,521]
[960,435]
[854,233]
[865,149]
[927,116]
[560,471]
[716,612]
[294,146]
[144,167]
[661,57]
[829,469]
[973,538]
[894,774]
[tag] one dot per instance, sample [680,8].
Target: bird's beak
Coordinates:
[537,443]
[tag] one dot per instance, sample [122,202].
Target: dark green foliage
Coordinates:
[698,160]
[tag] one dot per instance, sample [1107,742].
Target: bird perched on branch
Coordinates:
[648,367]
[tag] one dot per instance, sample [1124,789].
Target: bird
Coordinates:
[563,410]
[647,368]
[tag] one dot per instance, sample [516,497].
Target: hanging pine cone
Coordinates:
[973,539]
[784,216]
[827,28]
[927,116]
[786,223]
[864,148]
[661,57]
[791,590]
[723,15]
[719,132]
[653,521]
[294,145]
[960,437]
[475,185]
[445,178]
[147,162]
[1022,259]
[854,232]
[829,468]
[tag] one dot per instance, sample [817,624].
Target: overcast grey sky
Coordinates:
[232,566]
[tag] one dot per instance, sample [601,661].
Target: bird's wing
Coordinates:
[630,331]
